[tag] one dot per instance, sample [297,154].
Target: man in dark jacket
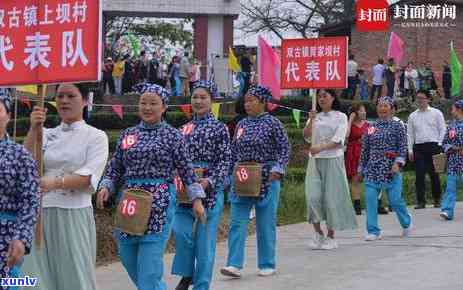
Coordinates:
[389,74]
[446,80]
[153,69]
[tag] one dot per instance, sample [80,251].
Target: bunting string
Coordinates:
[25,100]
[118,109]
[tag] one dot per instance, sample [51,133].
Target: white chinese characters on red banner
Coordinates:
[49,41]
[314,63]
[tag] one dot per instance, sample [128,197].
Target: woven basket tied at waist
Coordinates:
[248,179]
[182,195]
[440,162]
[133,211]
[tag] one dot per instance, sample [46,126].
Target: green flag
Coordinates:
[455,68]
[297,116]
[135,45]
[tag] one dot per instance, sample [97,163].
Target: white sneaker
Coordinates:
[266,272]
[408,231]
[372,237]
[317,241]
[329,244]
[252,213]
[231,271]
[444,215]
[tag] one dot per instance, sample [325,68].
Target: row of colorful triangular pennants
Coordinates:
[186,109]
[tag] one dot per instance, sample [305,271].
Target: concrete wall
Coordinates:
[213,20]
[215,35]
[173,8]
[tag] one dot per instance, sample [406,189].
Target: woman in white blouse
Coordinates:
[327,189]
[74,157]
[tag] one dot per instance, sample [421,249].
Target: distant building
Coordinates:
[213,19]
[422,43]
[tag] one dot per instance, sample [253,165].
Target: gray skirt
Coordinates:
[68,254]
[327,194]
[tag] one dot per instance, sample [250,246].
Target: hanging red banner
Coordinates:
[314,63]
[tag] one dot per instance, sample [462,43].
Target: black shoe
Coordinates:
[420,206]
[184,284]
[382,210]
[357,207]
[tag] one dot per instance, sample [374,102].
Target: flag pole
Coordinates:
[15,96]
[38,156]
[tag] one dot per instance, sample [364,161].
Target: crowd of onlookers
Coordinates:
[401,82]
[122,72]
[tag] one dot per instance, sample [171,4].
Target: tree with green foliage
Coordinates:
[156,31]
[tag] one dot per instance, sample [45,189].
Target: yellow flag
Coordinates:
[215,110]
[31,89]
[53,104]
[233,63]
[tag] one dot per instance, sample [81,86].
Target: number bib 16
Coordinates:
[128,207]
[133,211]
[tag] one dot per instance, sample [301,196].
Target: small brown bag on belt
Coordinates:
[134,211]
[248,179]
[182,195]
[440,162]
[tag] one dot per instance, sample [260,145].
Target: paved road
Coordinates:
[431,259]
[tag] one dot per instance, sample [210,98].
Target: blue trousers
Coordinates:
[450,196]
[363,90]
[195,252]
[142,256]
[351,87]
[396,201]
[266,217]
[178,87]
[15,271]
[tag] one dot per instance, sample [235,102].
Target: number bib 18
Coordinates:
[248,179]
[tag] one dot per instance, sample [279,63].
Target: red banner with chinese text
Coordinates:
[49,41]
[314,63]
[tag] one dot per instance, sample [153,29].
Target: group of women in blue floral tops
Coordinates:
[155,162]
[152,154]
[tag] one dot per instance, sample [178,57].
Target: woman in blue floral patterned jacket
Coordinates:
[146,157]
[453,147]
[19,197]
[384,151]
[259,138]
[208,144]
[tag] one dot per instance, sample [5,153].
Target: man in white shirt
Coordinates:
[352,79]
[426,131]
[378,80]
